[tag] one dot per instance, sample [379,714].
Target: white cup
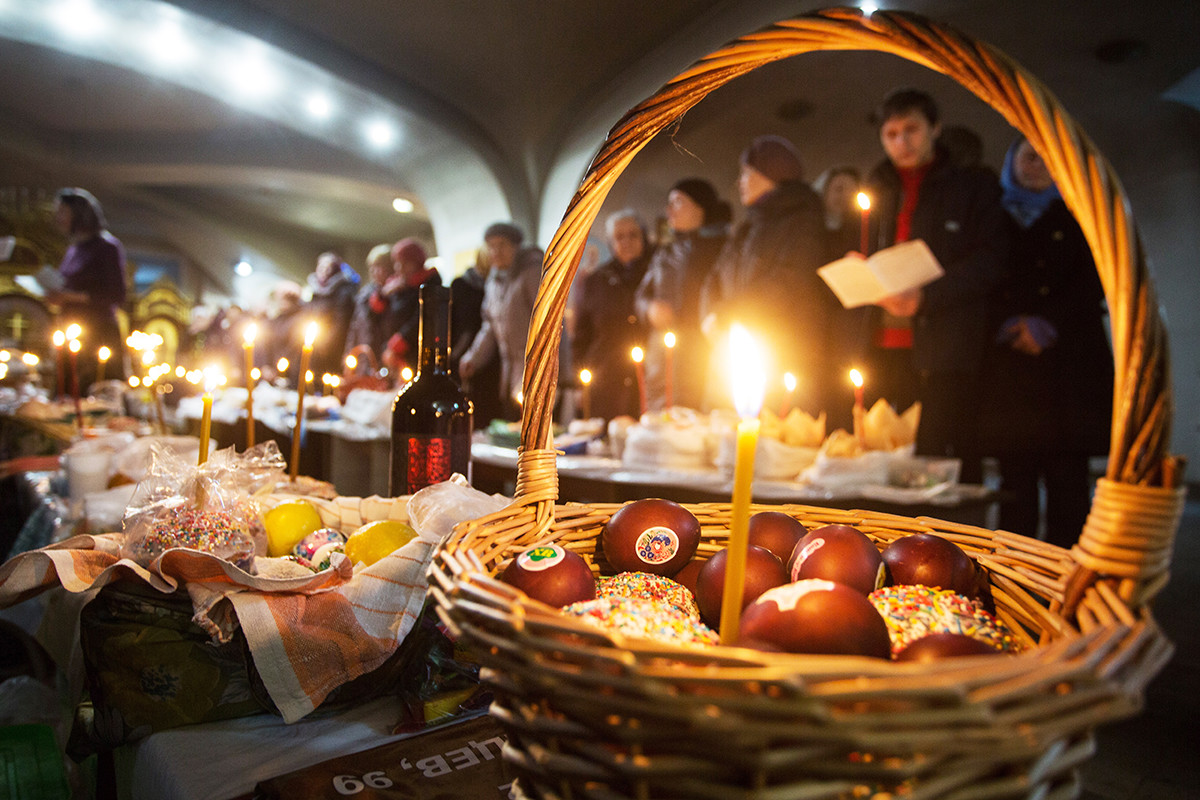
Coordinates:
[87,471]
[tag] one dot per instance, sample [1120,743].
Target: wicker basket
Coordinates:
[594,715]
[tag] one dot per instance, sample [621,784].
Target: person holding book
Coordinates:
[928,343]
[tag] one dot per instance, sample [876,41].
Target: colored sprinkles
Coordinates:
[653,588]
[211,531]
[643,619]
[912,612]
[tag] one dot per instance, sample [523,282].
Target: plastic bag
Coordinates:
[209,507]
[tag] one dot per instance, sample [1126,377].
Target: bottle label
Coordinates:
[429,461]
[657,545]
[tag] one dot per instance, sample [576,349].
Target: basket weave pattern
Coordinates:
[590,714]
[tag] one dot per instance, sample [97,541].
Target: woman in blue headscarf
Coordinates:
[1048,400]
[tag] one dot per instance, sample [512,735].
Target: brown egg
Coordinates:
[651,535]
[552,574]
[690,572]
[819,617]
[929,560]
[764,571]
[777,532]
[945,645]
[838,553]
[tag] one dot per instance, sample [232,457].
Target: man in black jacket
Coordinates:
[928,343]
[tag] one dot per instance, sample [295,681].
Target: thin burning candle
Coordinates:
[860,433]
[59,338]
[248,335]
[74,347]
[638,355]
[864,202]
[669,369]
[748,374]
[211,381]
[585,379]
[102,357]
[310,336]
[789,385]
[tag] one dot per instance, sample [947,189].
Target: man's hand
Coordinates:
[904,304]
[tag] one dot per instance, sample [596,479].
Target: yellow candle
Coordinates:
[310,336]
[248,350]
[669,368]
[585,378]
[860,432]
[638,355]
[749,386]
[205,424]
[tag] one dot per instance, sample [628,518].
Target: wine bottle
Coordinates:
[431,417]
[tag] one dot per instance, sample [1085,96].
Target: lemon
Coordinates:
[289,522]
[377,539]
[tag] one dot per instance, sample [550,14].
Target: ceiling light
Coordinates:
[869,8]
[380,133]
[252,76]
[402,206]
[243,268]
[78,19]
[167,46]
[319,106]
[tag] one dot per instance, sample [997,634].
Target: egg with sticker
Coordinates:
[818,617]
[838,553]
[651,535]
[551,574]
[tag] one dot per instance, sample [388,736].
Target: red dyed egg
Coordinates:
[945,645]
[652,535]
[929,560]
[819,617]
[690,572]
[764,571]
[838,553]
[777,532]
[552,574]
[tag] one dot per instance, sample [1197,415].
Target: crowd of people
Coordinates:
[1006,352]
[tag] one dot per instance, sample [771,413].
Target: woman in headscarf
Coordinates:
[1048,380]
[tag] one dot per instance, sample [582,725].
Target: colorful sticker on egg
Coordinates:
[657,545]
[787,596]
[543,557]
[810,548]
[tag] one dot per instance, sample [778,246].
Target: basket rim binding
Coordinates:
[592,714]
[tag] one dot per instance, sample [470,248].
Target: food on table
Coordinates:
[377,540]
[289,522]
[764,571]
[220,532]
[914,612]
[838,553]
[643,619]
[816,616]
[648,586]
[307,548]
[651,535]
[930,560]
[777,532]
[551,574]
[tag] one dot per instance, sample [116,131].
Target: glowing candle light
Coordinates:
[585,379]
[351,363]
[102,357]
[281,366]
[310,336]
[864,202]
[860,433]
[669,369]
[748,374]
[789,386]
[248,335]
[59,338]
[406,374]
[211,381]
[638,356]
[74,347]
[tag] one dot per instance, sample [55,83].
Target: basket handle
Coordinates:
[1142,405]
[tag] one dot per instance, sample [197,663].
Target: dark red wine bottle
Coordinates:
[431,417]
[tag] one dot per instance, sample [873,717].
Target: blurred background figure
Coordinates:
[606,327]
[368,325]
[403,294]
[466,318]
[334,285]
[1048,380]
[668,298]
[93,280]
[508,298]
[285,327]
[843,218]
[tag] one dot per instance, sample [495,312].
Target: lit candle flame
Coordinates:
[585,376]
[5,356]
[856,378]
[748,371]
[864,201]
[104,354]
[406,374]
[133,381]
[637,355]
[256,373]
[74,346]
[59,338]
[249,333]
[30,359]
[310,335]
[74,331]
[282,365]
[180,372]
[335,381]
[789,381]
[669,338]
[351,362]
[308,376]
[212,378]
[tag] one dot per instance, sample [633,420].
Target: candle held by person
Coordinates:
[248,336]
[585,380]
[864,202]
[669,369]
[639,356]
[748,374]
[310,336]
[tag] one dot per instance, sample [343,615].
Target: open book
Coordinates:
[864,281]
